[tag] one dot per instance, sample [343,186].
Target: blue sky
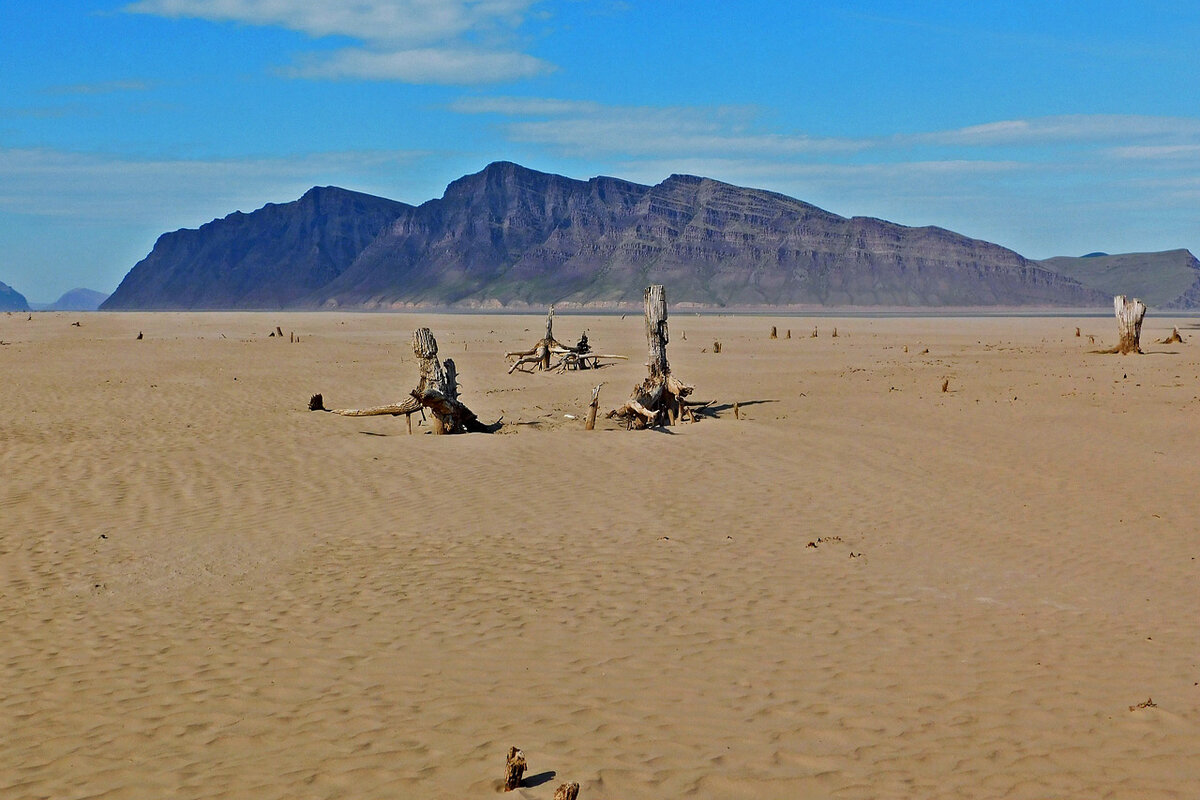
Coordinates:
[1051,130]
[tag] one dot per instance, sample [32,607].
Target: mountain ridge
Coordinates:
[511,237]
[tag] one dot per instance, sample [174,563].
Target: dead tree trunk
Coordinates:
[661,397]
[1129,324]
[437,390]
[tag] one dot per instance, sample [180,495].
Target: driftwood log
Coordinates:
[539,356]
[1129,325]
[661,398]
[437,390]
[514,768]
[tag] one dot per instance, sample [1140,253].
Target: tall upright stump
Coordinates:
[661,398]
[1129,324]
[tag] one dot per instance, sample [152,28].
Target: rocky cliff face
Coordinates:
[268,259]
[510,235]
[11,299]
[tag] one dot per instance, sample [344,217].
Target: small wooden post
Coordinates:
[814,334]
[789,334]
[736,411]
[279,331]
[773,334]
[716,347]
[1077,333]
[514,768]
[834,334]
[946,385]
[568,791]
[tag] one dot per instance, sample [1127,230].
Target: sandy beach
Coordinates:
[864,587]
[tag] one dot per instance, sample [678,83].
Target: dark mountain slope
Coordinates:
[266,259]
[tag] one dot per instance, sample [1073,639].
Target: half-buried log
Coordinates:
[1129,325]
[437,390]
[661,398]
[514,768]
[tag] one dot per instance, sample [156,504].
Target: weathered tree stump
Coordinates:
[568,791]
[437,390]
[1174,338]
[661,397]
[578,357]
[1129,325]
[514,768]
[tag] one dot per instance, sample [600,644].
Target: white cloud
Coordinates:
[369,20]
[425,65]
[413,41]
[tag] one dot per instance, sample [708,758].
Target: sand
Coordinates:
[865,587]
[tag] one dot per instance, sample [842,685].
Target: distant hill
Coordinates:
[11,299]
[513,237]
[74,300]
[1169,279]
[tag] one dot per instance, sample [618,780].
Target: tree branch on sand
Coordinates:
[578,357]
[661,397]
[437,390]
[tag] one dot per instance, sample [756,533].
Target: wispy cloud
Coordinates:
[458,42]
[104,87]
[524,106]
[582,128]
[172,192]
[1168,152]
[1063,129]
[457,67]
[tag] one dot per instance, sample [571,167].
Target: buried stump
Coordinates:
[1174,338]
[568,791]
[437,390]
